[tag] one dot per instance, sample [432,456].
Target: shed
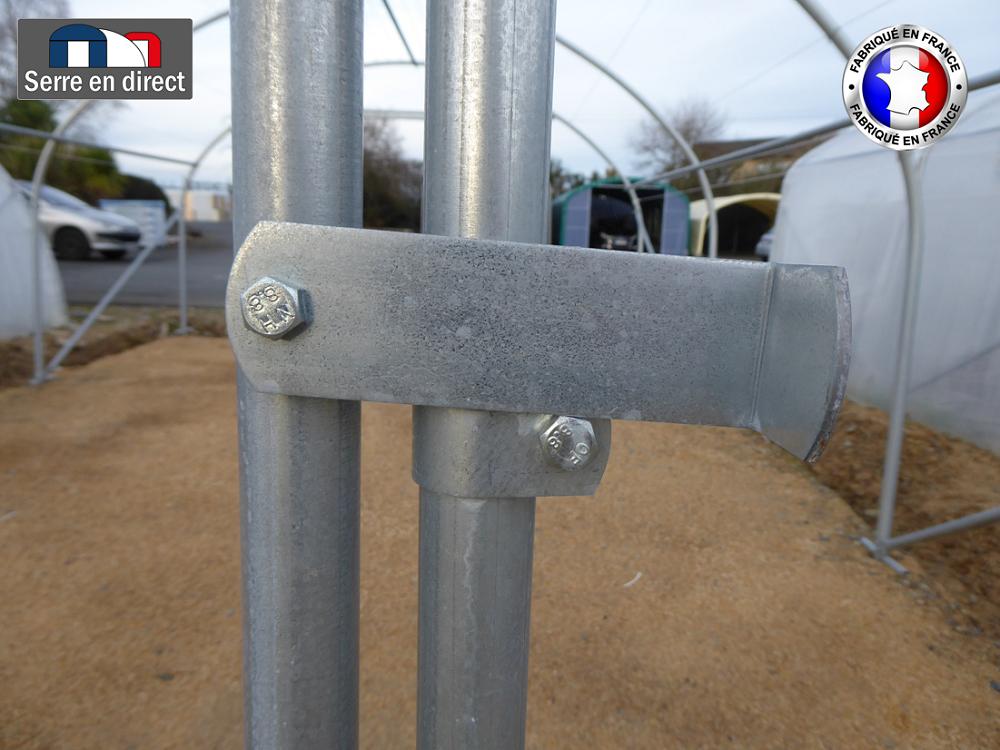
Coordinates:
[743,219]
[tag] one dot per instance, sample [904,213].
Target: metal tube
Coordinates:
[77,142]
[402,38]
[182,260]
[776,145]
[210,20]
[904,354]
[487,136]
[908,323]
[297,145]
[822,19]
[475,602]
[987,79]
[41,167]
[967,523]
[911,293]
[110,295]
[644,243]
[706,188]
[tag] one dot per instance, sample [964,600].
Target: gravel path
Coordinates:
[757,622]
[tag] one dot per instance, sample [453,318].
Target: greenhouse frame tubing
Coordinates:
[626,183]
[476,551]
[912,178]
[644,242]
[41,372]
[297,147]
[41,167]
[18,130]
[706,188]
[696,164]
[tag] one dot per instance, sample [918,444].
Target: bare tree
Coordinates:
[695,119]
[10,11]
[392,183]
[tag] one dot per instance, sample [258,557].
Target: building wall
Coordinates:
[203,205]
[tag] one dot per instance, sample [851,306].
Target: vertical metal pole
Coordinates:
[41,167]
[297,124]
[487,134]
[182,260]
[904,355]
[912,179]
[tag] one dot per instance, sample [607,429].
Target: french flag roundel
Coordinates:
[904,88]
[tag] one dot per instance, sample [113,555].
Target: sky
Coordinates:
[764,64]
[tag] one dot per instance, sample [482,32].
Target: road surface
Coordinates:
[155,283]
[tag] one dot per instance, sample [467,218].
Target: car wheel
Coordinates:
[113,254]
[71,244]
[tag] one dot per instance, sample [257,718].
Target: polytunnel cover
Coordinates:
[844,203]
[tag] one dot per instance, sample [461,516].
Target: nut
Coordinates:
[568,442]
[272,308]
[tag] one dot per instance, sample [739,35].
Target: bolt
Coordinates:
[271,307]
[568,442]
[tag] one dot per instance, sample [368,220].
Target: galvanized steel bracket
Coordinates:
[534,329]
[479,454]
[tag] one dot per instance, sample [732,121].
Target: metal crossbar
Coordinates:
[77,142]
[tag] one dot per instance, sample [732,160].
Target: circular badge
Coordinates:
[905,87]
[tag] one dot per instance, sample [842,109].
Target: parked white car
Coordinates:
[75,228]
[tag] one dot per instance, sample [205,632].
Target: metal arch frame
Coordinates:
[41,167]
[42,372]
[626,183]
[706,188]
[779,145]
[912,179]
[645,245]
[413,60]
[18,130]
[153,244]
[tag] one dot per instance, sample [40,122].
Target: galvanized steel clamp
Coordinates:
[518,329]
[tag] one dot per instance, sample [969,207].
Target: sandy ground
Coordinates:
[118,328]
[758,621]
[940,478]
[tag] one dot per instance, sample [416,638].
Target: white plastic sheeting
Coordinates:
[16,302]
[844,203]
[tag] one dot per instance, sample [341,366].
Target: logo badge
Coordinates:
[905,87]
[120,58]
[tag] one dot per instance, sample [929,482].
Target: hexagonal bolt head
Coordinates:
[272,308]
[568,442]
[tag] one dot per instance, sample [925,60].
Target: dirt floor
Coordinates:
[118,328]
[758,620]
[941,478]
